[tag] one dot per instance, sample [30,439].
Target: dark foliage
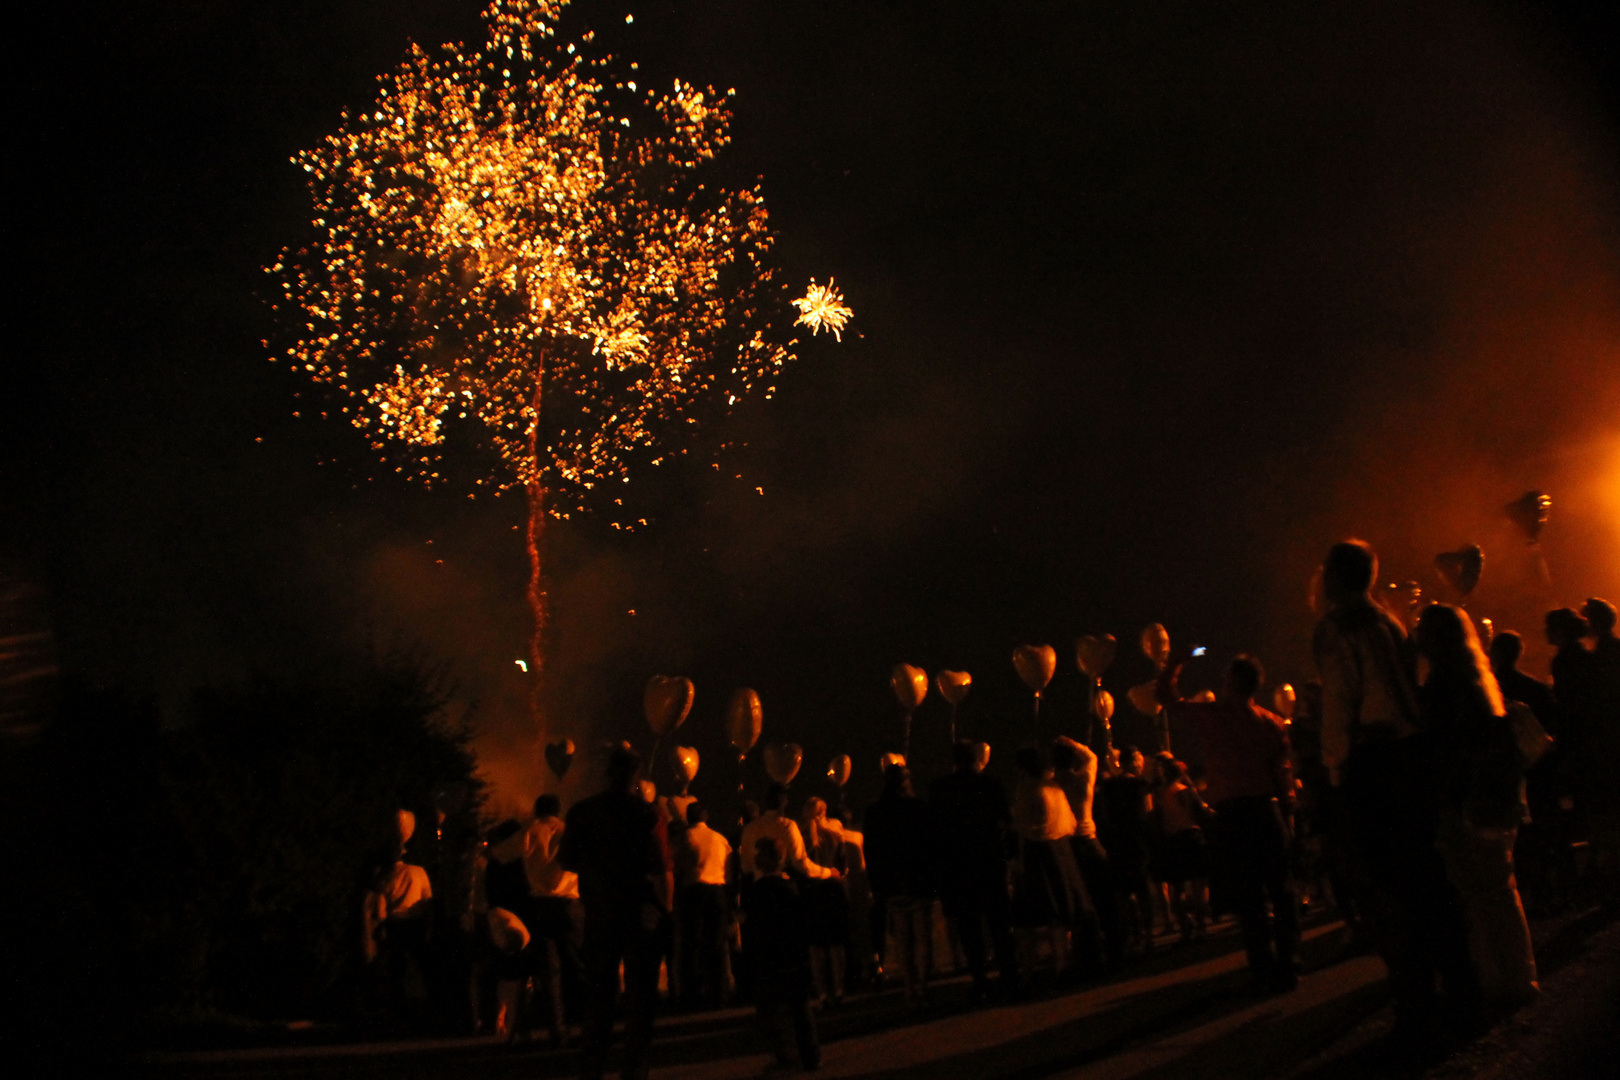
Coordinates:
[165,873]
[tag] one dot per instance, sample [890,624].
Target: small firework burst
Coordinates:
[822,306]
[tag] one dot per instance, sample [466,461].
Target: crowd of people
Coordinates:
[1412,775]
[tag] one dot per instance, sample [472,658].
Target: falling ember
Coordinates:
[822,306]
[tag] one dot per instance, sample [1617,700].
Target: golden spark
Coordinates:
[823,306]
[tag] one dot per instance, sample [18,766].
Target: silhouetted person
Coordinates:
[704,911]
[1575,680]
[1374,749]
[974,821]
[900,866]
[1603,742]
[774,932]
[1506,649]
[1543,840]
[614,843]
[1251,789]
[1481,777]
[1121,810]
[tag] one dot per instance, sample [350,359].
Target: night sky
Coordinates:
[1153,302]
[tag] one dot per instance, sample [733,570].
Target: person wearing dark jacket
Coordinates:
[900,867]
[776,937]
[1517,685]
[1251,788]
[1603,741]
[974,823]
[616,844]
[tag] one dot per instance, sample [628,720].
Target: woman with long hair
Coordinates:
[1481,785]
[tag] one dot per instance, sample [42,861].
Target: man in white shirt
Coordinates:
[784,831]
[554,918]
[703,912]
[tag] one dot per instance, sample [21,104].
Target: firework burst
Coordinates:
[509,238]
[514,244]
[823,307]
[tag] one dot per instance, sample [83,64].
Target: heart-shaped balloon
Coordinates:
[1104,706]
[890,759]
[1035,664]
[1145,697]
[1461,568]
[1156,644]
[560,755]
[839,768]
[686,762]
[1529,512]
[744,718]
[910,685]
[1093,654]
[1284,699]
[667,700]
[953,685]
[649,792]
[782,762]
[981,755]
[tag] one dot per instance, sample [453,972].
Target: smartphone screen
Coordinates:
[1200,651]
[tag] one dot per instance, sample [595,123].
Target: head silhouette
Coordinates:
[1506,648]
[1030,761]
[1600,616]
[896,782]
[1064,756]
[1243,677]
[623,768]
[1565,628]
[775,797]
[767,857]
[1348,572]
[547,806]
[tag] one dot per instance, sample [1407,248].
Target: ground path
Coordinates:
[1181,1016]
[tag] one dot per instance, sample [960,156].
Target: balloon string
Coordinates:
[652,765]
